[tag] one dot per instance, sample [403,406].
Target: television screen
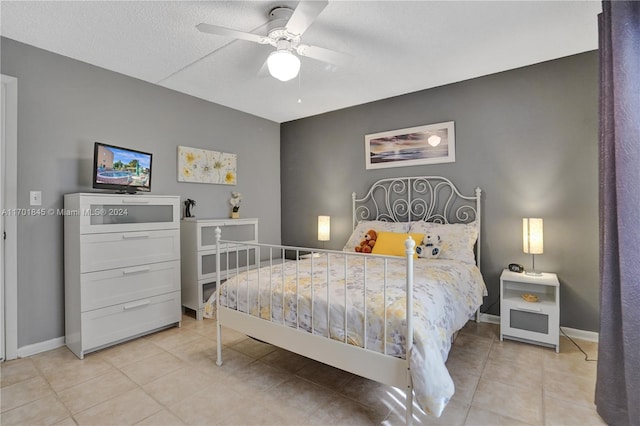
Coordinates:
[121,169]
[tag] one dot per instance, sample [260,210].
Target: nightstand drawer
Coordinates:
[533,307]
[529,321]
[537,326]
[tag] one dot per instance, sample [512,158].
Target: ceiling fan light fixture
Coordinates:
[283,65]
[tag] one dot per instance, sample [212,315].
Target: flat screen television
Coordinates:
[121,169]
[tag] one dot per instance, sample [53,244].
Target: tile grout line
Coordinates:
[475,389]
[324,387]
[53,392]
[137,385]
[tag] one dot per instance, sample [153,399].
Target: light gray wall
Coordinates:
[63,107]
[528,137]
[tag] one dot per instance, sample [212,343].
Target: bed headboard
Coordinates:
[427,198]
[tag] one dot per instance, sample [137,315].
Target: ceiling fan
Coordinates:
[286,27]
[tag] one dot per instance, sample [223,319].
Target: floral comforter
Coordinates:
[446,294]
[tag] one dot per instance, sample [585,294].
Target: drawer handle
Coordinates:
[136,305]
[136,271]
[523,308]
[137,235]
[137,201]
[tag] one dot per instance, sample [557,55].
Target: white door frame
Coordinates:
[9,169]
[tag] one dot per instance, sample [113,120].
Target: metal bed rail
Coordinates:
[228,275]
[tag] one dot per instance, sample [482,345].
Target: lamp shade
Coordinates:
[283,65]
[532,235]
[324,228]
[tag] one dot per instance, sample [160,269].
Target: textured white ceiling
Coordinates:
[398,46]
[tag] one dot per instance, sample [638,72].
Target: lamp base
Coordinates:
[533,272]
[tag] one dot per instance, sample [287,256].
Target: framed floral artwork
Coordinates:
[204,166]
[430,144]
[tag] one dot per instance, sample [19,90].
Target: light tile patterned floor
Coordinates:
[170,378]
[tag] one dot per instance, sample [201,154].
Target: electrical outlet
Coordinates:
[35,198]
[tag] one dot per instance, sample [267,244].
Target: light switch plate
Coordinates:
[35,198]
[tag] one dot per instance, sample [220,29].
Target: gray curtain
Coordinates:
[618,382]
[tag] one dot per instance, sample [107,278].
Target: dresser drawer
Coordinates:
[107,288]
[102,213]
[124,249]
[114,323]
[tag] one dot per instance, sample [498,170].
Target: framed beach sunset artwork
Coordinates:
[204,166]
[430,144]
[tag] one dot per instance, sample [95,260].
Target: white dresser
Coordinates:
[199,256]
[122,267]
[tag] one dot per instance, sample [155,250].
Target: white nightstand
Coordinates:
[533,322]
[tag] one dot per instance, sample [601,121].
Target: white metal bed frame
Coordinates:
[406,199]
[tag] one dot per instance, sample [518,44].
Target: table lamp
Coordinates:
[532,240]
[324,228]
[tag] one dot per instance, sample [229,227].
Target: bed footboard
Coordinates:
[319,319]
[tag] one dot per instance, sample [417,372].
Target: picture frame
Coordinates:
[414,146]
[205,166]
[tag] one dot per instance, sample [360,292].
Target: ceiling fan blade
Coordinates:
[304,15]
[264,69]
[227,32]
[324,55]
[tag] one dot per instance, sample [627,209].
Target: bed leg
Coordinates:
[478,316]
[219,344]
[408,414]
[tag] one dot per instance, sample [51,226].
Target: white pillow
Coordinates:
[377,225]
[456,239]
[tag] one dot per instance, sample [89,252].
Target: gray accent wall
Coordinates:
[527,137]
[64,106]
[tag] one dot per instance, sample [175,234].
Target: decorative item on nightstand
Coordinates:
[532,240]
[236,199]
[189,204]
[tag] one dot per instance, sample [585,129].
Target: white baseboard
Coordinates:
[36,348]
[491,319]
[574,333]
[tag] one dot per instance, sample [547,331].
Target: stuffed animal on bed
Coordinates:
[367,243]
[430,247]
